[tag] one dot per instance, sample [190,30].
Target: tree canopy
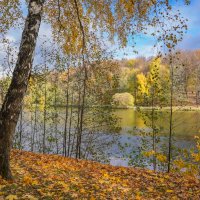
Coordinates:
[115,20]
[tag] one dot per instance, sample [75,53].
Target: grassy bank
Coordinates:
[175,108]
[48,177]
[166,108]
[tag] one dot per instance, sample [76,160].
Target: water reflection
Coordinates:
[134,136]
[185,123]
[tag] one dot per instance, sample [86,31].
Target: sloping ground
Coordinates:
[40,176]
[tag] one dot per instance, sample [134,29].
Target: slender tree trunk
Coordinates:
[78,125]
[66,116]
[21,129]
[56,116]
[171,120]
[35,123]
[12,104]
[82,115]
[79,137]
[45,115]
[135,90]
[153,128]
[32,130]
[70,125]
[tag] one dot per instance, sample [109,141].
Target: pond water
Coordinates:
[186,124]
[134,136]
[135,124]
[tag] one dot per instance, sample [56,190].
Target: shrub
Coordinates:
[123,99]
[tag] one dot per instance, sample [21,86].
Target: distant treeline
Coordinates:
[140,77]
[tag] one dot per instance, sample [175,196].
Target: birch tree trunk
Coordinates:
[12,104]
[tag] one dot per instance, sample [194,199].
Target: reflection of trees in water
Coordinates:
[100,141]
[75,84]
[96,141]
[186,122]
[138,148]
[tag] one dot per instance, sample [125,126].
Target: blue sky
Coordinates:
[145,43]
[191,40]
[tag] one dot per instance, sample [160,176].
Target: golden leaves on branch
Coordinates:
[112,20]
[9,14]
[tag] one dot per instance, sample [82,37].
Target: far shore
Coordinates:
[175,108]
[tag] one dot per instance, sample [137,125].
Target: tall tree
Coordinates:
[12,104]
[153,79]
[120,18]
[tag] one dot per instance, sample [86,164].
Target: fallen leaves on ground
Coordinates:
[38,176]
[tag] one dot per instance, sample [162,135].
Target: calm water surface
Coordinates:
[135,128]
[186,125]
